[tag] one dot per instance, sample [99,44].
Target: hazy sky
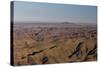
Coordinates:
[46,12]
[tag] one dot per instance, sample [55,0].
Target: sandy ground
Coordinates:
[54,44]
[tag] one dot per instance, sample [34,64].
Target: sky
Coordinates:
[49,12]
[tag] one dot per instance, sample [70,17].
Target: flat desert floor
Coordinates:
[51,43]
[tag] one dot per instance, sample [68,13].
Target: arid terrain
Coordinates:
[50,43]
